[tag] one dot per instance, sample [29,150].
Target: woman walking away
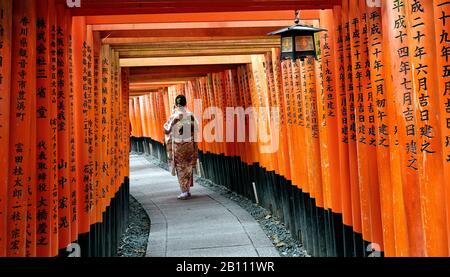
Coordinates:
[182,149]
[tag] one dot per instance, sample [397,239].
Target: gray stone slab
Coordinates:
[225,228]
[267,252]
[198,241]
[232,251]
[259,239]
[158,227]
[156,254]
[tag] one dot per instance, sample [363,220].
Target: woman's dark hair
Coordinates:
[180,100]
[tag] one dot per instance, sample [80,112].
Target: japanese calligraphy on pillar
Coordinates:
[72,162]
[87,126]
[53,112]
[367,80]
[298,113]
[426,102]
[43,155]
[342,99]
[105,119]
[404,70]
[420,53]
[351,116]
[23,85]
[342,119]
[298,128]
[315,177]
[349,86]
[114,114]
[330,77]
[307,185]
[402,131]
[357,62]
[5,89]
[96,93]
[442,11]
[369,115]
[358,55]
[260,100]
[63,128]
[284,151]
[126,127]
[375,46]
[378,88]
[286,98]
[442,38]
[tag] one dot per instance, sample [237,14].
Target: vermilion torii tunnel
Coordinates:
[362,129]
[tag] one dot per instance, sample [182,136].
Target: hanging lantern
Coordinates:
[297,41]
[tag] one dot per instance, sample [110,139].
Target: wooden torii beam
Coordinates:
[164,80]
[137,89]
[190,52]
[187,61]
[176,70]
[108,7]
[197,48]
[236,42]
[127,39]
[199,32]
[146,43]
[200,17]
[149,77]
[193,25]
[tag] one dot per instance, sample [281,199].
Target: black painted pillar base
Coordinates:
[103,238]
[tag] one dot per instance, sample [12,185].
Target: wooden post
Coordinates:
[400,169]
[350,98]
[382,126]
[80,120]
[64,125]
[422,50]
[342,123]
[22,119]
[5,94]
[45,120]
[330,114]
[442,38]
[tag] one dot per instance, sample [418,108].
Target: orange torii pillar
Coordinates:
[104,133]
[375,39]
[5,90]
[343,133]
[46,139]
[442,37]
[408,226]
[22,118]
[64,123]
[421,20]
[81,129]
[330,123]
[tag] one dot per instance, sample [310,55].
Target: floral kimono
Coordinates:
[182,151]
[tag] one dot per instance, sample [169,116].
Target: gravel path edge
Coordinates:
[133,242]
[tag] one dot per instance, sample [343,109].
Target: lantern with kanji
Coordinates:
[297,41]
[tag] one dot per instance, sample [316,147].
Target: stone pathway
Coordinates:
[207,225]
